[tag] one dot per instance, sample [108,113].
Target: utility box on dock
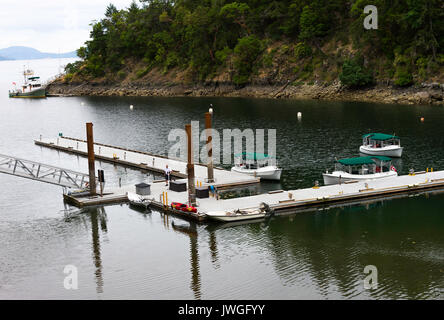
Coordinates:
[178,186]
[202,192]
[143,189]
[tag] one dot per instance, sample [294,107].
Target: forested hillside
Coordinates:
[266,42]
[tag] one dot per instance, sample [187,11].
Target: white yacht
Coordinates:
[380,144]
[258,165]
[31,88]
[359,169]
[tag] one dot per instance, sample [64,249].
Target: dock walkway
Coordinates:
[151,162]
[292,201]
[281,201]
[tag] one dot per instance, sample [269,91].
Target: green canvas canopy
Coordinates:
[253,156]
[362,160]
[380,136]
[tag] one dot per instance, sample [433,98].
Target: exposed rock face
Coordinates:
[423,94]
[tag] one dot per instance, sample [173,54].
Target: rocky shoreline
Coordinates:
[426,93]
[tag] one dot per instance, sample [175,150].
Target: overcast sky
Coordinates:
[50,25]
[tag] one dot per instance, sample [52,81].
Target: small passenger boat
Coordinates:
[257,164]
[138,201]
[380,144]
[359,169]
[263,211]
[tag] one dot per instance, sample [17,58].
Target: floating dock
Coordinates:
[223,179]
[286,202]
[282,202]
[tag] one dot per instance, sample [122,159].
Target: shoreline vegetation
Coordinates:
[424,94]
[298,49]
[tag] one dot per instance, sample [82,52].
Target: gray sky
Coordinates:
[50,25]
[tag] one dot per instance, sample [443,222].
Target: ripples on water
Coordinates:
[128,254]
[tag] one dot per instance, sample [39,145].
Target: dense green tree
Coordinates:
[354,74]
[246,52]
[201,36]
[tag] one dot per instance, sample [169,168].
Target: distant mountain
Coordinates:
[27,53]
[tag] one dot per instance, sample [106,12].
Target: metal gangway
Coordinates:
[43,172]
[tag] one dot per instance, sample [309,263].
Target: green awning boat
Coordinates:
[363,160]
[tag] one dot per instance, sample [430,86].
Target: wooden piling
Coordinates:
[190,168]
[208,127]
[91,164]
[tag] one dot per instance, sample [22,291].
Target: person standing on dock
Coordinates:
[167,174]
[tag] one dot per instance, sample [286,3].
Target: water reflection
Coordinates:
[97,216]
[98,220]
[333,247]
[191,231]
[213,248]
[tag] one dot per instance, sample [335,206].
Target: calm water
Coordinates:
[122,253]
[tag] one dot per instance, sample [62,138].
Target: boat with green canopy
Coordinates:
[359,169]
[256,164]
[381,144]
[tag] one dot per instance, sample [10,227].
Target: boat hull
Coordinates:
[39,93]
[141,205]
[390,151]
[238,217]
[265,173]
[342,177]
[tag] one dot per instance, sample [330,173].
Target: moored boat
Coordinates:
[263,211]
[236,215]
[138,201]
[380,144]
[257,164]
[359,169]
[31,88]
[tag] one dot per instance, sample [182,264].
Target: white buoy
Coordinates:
[131,107]
[299,115]
[82,103]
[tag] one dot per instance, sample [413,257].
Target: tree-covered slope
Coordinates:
[266,41]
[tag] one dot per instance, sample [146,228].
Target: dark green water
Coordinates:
[122,253]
